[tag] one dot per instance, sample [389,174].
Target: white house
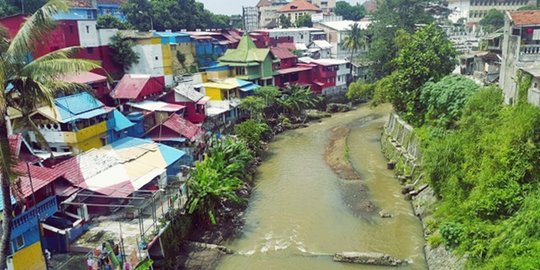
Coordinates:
[337,31]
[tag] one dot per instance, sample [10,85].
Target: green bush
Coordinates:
[452,233]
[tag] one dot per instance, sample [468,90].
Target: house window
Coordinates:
[90,50]
[240,70]
[156,58]
[88,29]
[19,241]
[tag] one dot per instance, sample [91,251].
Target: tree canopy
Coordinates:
[348,11]
[109,21]
[304,21]
[171,14]
[284,21]
[493,20]
[122,51]
[389,17]
[13,7]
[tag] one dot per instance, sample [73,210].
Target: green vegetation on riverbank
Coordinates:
[481,158]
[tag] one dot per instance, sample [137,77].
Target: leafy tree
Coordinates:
[108,21]
[349,12]
[251,133]
[295,99]
[13,7]
[444,100]
[354,41]
[269,94]
[122,51]
[389,17]
[360,90]
[304,21]
[33,84]
[428,54]
[218,177]
[284,21]
[138,13]
[493,20]
[254,105]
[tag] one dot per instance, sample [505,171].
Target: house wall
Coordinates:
[13,24]
[533,94]
[266,67]
[77,14]
[88,34]
[293,16]
[298,36]
[29,258]
[213,93]
[510,52]
[150,58]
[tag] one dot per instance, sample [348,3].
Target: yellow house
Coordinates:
[228,89]
[78,123]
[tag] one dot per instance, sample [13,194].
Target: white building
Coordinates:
[336,33]
[520,50]
[320,49]
[251,18]
[325,5]
[303,35]
[479,8]
[268,12]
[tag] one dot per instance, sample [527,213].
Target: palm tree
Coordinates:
[295,99]
[27,85]
[354,41]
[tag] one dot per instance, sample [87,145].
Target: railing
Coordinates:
[529,53]
[29,219]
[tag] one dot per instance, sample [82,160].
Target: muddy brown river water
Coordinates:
[300,208]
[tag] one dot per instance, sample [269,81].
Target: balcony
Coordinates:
[26,220]
[529,53]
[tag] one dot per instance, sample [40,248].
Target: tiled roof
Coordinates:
[528,17]
[181,126]
[83,77]
[282,53]
[299,5]
[245,52]
[264,3]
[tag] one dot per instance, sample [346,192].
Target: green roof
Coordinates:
[245,52]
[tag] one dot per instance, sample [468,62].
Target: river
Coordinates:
[300,208]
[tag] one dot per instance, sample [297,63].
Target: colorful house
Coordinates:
[188,95]
[76,123]
[329,76]
[125,166]
[98,83]
[249,62]
[175,46]
[207,47]
[35,192]
[137,87]
[228,89]
[154,112]
[288,71]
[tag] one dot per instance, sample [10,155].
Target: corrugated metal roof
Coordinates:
[293,69]
[83,77]
[152,106]
[187,90]
[245,52]
[282,53]
[120,121]
[132,85]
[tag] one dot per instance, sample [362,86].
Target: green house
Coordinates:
[250,63]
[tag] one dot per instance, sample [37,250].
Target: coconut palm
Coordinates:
[295,99]
[27,85]
[354,41]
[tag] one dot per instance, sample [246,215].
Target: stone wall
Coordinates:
[402,149]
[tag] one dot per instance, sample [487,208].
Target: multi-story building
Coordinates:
[268,12]
[520,49]
[249,62]
[329,76]
[326,5]
[271,37]
[288,71]
[251,18]
[298,8]
[336,32]
[77,123]
[479,8]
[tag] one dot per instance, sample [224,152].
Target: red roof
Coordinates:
[527,17]
[41,177]
[83,77]
[178,125]
[299,5]
[138,86]
[287,45]
[293,69]
[282,53]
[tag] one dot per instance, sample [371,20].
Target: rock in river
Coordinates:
[368,258]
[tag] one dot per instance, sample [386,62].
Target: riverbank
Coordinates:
[400,147]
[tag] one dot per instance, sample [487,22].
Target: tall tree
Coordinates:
[349,12]
[354,41]
[122,51]
[12,7]
[493,20]
[284,21]
[390,16]
[426,55]
[109,21]
[304,21]
[31,85]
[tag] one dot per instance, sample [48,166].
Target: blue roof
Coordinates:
[170,34]
[119,121]
[249,87]
[128,142]
[170,154]
[79,106]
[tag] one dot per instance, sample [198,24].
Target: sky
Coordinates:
[231,7]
